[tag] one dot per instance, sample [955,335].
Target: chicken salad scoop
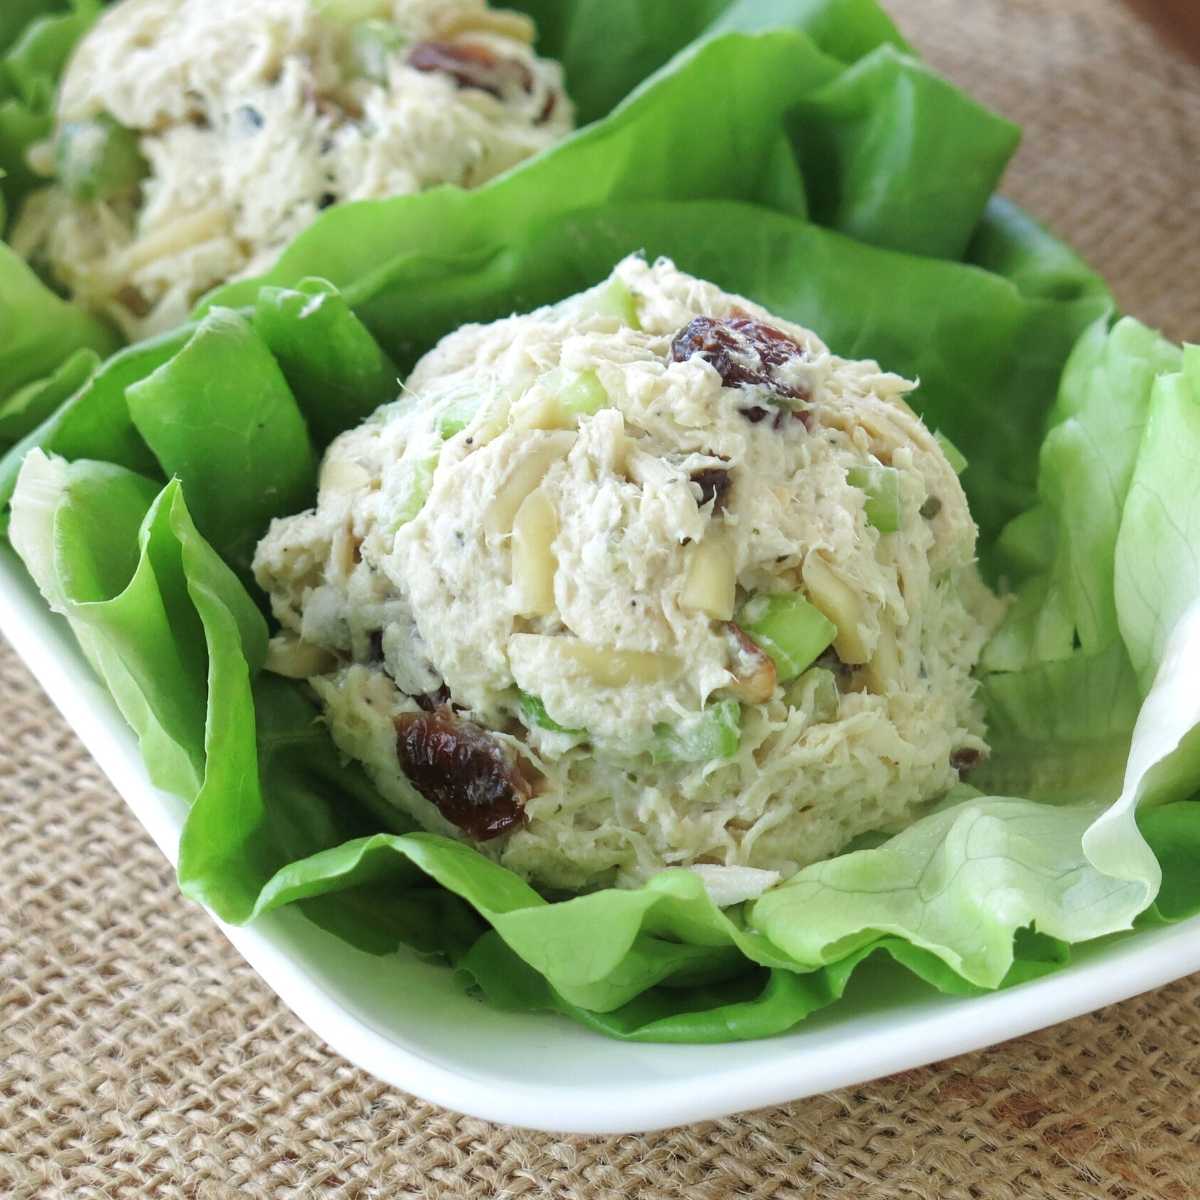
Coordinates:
[646,578]
[195,138]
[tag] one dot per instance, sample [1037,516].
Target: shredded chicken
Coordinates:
[534,527]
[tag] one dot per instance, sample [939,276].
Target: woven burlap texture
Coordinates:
[140,1057]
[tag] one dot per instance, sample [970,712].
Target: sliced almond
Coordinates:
[534,565]
[499,21]
[40,158]
[884,667]
[887,426]
[604,665]
[526,475]
[617,668]
[341,477]
[295,658]
[834,597]
[546,413]
[711,583]
[191,230]
[345,551]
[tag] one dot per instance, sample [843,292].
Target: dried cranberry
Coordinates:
[743,352]
[472,67]
[755,413]
[965,758]
[474,781]
[713,482]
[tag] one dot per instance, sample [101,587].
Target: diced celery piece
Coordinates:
[882,485]
[98,159]
[790,629]
[817,691]
[614,299]
[457,417]
[372,45]
[714,733]
[583,394]
[418,483]
[533,713]
[954,456]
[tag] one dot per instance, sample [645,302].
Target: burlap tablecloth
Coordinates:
[139,1056]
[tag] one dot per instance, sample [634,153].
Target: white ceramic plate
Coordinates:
[406,1022]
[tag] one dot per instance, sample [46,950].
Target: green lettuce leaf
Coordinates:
[607,47]
[1158,575]
[1157,564]
[1164,759]
[36,402]
[883,161]
[35,60]
[962,882]
[118,559]
[820,190]
[338,372]
[20,128]
[806,137]
[1060,730]
[38,330]
[752,1005]
[36,40]
[18,14]
[178,640]
[1173,831]
[1086,465]
[1060,685]
[224,389]
[95,421]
